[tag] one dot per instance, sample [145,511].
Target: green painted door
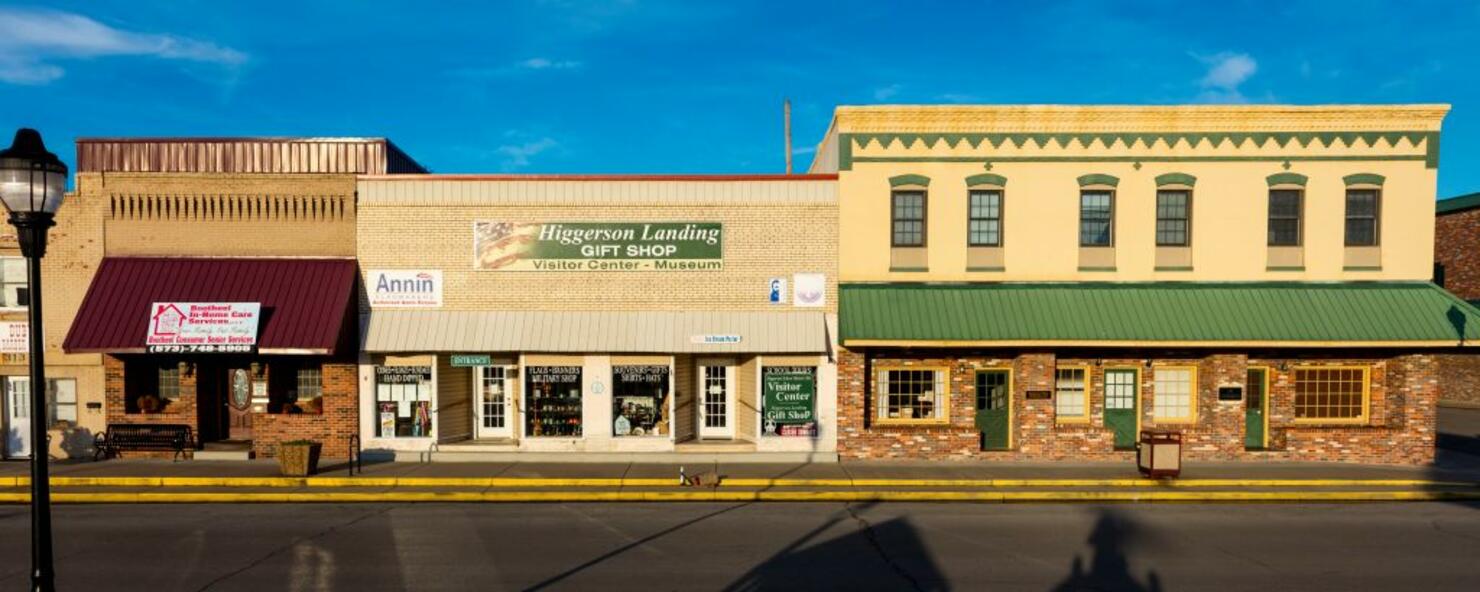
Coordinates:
[1255,400]
[993,409]
[1120,406]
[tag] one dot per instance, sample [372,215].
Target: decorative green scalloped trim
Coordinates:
[986,179]
[1430,140]
[1287,179]
[1176,179]
[1364,179]
[1098,179]
[898,180]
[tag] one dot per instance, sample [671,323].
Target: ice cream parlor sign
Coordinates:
[203,327]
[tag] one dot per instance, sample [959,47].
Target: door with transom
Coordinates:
[495,406]
[716,399]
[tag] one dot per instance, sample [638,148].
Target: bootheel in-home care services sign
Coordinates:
[203,327]
[597,246]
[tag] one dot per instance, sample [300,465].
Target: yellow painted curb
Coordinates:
[540,482]
[746,496]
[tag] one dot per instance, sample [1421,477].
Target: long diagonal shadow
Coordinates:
[629,546]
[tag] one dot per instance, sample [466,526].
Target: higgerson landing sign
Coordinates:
[597,246]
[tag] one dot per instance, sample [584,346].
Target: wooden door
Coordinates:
[1256,403]
[238,402]
[1121,410]
[716,400]
[994,409]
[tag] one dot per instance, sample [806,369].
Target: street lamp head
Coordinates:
[32,180]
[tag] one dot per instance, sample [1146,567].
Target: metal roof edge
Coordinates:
[1458,203]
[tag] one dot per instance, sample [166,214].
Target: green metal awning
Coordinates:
[1355,314]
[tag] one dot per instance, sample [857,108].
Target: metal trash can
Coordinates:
[1159,454]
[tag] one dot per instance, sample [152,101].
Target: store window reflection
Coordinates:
[640,400]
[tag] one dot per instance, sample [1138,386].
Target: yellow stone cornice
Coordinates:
[1136,118]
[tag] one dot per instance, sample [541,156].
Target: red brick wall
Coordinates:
[181,411]
[1457,248]
[1460,375]
[1400,430]
[332,427]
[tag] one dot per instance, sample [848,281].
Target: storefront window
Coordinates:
[62,408]
[403,401]
[789,401]
[296,388]
[552,405]
[151,386]
[640,400]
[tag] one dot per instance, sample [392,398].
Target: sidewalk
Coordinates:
[163,481]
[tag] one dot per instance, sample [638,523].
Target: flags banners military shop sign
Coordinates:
[597,246]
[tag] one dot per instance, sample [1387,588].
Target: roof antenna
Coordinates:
[786,118]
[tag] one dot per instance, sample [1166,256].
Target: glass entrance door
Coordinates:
[17,417]
[494,409]
[1120,406]
[716,401]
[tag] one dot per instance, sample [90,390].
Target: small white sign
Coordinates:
[776,291]
[404,288]
[714,339]
[810,289]
[203,327]
[15,337]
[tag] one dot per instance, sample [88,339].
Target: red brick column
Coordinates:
[332,427]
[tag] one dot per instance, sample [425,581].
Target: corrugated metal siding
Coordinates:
[304,301]
[611,332]
[454,401]
[372,156]
[432,191]
[1372,312]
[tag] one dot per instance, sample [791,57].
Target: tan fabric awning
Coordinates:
[401,331]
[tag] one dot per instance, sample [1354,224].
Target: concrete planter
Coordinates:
[299,459]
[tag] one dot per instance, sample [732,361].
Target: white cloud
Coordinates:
[548,64]
[32,39]
[885,93]
[516,156]
[1226,72]
[804,150]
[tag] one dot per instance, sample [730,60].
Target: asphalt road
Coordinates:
[653,547]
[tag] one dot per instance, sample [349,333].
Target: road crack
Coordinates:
[873,540]
[294,543]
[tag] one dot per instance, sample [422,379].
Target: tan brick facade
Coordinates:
[1399,430]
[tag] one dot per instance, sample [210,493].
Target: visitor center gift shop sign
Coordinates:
[203,327]
[597,246]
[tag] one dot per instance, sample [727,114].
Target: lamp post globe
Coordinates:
[32,185]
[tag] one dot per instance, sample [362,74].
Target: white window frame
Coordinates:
[1166,384]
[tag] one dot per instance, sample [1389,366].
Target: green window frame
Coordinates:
[1286,213]
[984,218]
[1362,209]
[1173,218]
[907,215]
[1096,218]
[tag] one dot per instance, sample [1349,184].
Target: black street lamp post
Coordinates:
[32,184]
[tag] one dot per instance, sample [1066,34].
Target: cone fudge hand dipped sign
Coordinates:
[203,327]
[597,246]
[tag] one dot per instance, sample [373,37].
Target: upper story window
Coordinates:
[1096,217]
[984,225]
[1361,217]
[908,218]
[1173,210]
[1284,217]
[15,292]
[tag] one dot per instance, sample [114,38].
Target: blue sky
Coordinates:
[686,86]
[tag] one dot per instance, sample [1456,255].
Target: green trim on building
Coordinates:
[1096,268]
[909,269]
[1098,179]
[1176,179]
[986,179]
[847,141]
[985,269]
[1458,203]
[1140,159]
[1287,179]
[1285,268]
[1173,268]
[1361,268]
[1364,179]
[1372,312]
[898,180]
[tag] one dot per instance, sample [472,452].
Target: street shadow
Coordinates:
[1110,542]
[77,442]
[904,563]
[1456,455]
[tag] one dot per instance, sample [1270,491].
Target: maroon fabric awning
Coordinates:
[304,301]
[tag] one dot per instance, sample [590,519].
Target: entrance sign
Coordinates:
[469,360]
[203,327]
[404,288]
[789,400]
[597,246]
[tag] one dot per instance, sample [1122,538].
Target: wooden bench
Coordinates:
[166,437]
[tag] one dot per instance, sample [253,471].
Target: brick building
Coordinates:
[1457,269]
[1025,282]
[164,229]
[651,317]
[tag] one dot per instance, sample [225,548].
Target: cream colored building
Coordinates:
[654,318]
